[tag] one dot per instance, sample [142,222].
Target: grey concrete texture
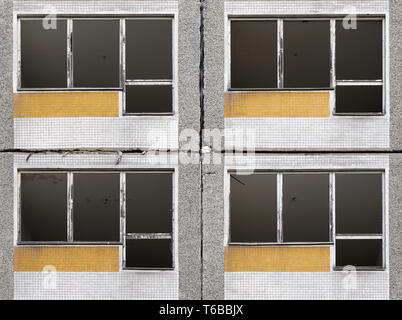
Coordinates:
[213,172]
[6,227]
[395,226]
[189,215]
[6,78]
[396,73]
[6,159]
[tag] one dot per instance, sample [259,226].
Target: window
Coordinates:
[96,207]
[148,220]
[359,219]
[306,203]
[311,54]
[253,210]
[43,55]
[43,208]
[96,54]
[302,60]
[149,66]
[133,209]
[306,54]
[359,67]
[254,54]
[133,55]
[303,213]
[344,209]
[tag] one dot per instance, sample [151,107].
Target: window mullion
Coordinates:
[123,215]
[333,51]
[70,83]
[280,71]
[70,220]
[279,207]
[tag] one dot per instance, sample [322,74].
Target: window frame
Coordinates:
[123,82]
[333,236]
[122,214]
[281,63]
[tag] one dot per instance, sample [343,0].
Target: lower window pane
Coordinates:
[149,254]
[359,99]
[96,207]
[43,207]
[148,99]
[359,253]
[306,207]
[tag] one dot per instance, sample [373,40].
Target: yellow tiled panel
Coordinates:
[277,259]
[67,259]
[66,104]
[277,104]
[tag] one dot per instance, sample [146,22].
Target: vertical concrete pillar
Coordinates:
[213,164]
[6,159]
[395,187]
[189,248]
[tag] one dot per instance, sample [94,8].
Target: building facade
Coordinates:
[201,149]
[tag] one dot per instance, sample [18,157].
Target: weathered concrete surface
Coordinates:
[189,174]
[6,160]
[213,172]
[396,73]
[395,226]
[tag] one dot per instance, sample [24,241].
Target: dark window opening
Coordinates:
[253,208]
[359,51]
[149,202]
[254,54]
[43,207]
[149,49]
[359,99]
[306,209]
[96,53]
[96,207]
[359,203]
[149,254]
[149,99]
[43,55]
[359,253]
[306,54]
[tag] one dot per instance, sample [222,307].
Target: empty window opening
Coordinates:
[96,208]
[254,54]
[148,254]
[143,99]
[253,208]
[149,67]
[306,210]
[344,209]
[148,234]
[43,207]
[43,55]
[306,54]
[96,54]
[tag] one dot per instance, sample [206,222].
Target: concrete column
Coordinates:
[189,174]
[213,166]
[6,159]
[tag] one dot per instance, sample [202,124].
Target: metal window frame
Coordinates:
[147,82]
[122,57]
[122,214]
[281,64]
[363,236]
[369,83]
[333,236]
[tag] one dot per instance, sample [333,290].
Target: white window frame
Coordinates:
[122,59]
[281,64]
[332,214]
[122,213]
